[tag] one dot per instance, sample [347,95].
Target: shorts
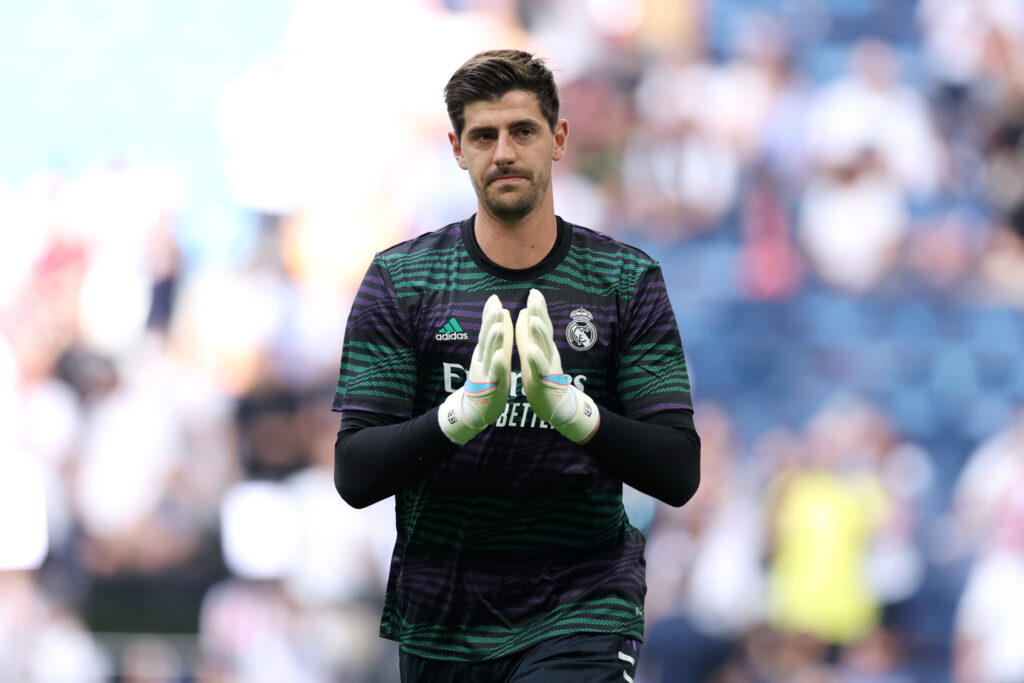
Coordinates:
[576,658]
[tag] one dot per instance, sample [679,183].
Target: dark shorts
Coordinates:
[577,658]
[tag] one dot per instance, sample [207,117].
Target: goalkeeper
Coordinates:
[502,377]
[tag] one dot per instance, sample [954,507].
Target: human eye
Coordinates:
[483,137]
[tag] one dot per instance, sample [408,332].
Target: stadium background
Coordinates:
[190,191]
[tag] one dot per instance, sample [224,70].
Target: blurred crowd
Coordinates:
[835,190]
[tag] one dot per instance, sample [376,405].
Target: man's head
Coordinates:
[507,133]
[491,74]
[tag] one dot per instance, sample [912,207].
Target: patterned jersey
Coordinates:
[520,535]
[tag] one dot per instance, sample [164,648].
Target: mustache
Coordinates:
[506,172]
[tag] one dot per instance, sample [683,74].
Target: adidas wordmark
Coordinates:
[452,331]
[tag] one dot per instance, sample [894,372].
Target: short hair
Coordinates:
[491,74]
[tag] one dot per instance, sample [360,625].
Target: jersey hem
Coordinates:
[433,654]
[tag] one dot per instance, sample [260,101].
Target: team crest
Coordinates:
[581,333]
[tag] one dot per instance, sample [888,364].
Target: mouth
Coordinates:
[506,178]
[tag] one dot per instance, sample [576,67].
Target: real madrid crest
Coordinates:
[581,333]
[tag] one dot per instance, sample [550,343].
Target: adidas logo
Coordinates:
[451,331]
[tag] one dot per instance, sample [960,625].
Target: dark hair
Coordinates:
[490,75]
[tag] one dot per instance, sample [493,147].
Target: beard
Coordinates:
[511,204]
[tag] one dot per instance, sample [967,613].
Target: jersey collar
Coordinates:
[545,266]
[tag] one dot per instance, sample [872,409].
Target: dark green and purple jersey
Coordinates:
[518,536]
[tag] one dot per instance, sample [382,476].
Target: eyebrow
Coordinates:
[520,123]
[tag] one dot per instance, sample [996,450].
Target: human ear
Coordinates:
[561,136]
[457,150]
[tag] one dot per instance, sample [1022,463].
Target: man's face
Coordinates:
[507,147]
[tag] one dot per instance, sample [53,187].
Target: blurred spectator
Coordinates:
[680,175]
[42,640]
[985,484]
[1002,262]
[250,632]
[874,145]
[879,657]
[823,516]
[145,427]
[769,265]
[987,627]
[343,555]
[852,223]
[1002,267]
[148,659]
[311,572]
[973,44]
[705,583]
[1003,163]
[872,111]
[942,252]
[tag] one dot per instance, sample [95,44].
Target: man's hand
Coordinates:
[482,399]
[554,399]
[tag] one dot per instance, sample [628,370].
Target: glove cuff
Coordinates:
[453,421]
[584,421]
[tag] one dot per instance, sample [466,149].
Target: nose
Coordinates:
[504,151]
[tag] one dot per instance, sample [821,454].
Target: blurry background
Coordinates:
[190,192]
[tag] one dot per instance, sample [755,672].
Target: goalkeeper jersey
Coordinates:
[519,536]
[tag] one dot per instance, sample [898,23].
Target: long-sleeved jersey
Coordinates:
[519,535]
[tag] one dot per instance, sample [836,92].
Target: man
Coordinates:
[506,447]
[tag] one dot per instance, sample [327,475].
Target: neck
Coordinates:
[517,244]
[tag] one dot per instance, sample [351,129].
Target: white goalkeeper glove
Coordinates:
[482,399]
[553,398]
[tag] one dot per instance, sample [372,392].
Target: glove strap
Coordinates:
[583,422]
[453,421]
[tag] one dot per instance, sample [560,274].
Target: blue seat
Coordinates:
[913,320]
[834,319]
[996,328]
[954,373]
[914,412]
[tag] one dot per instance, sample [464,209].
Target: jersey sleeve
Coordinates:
[378,359]
[651,374]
